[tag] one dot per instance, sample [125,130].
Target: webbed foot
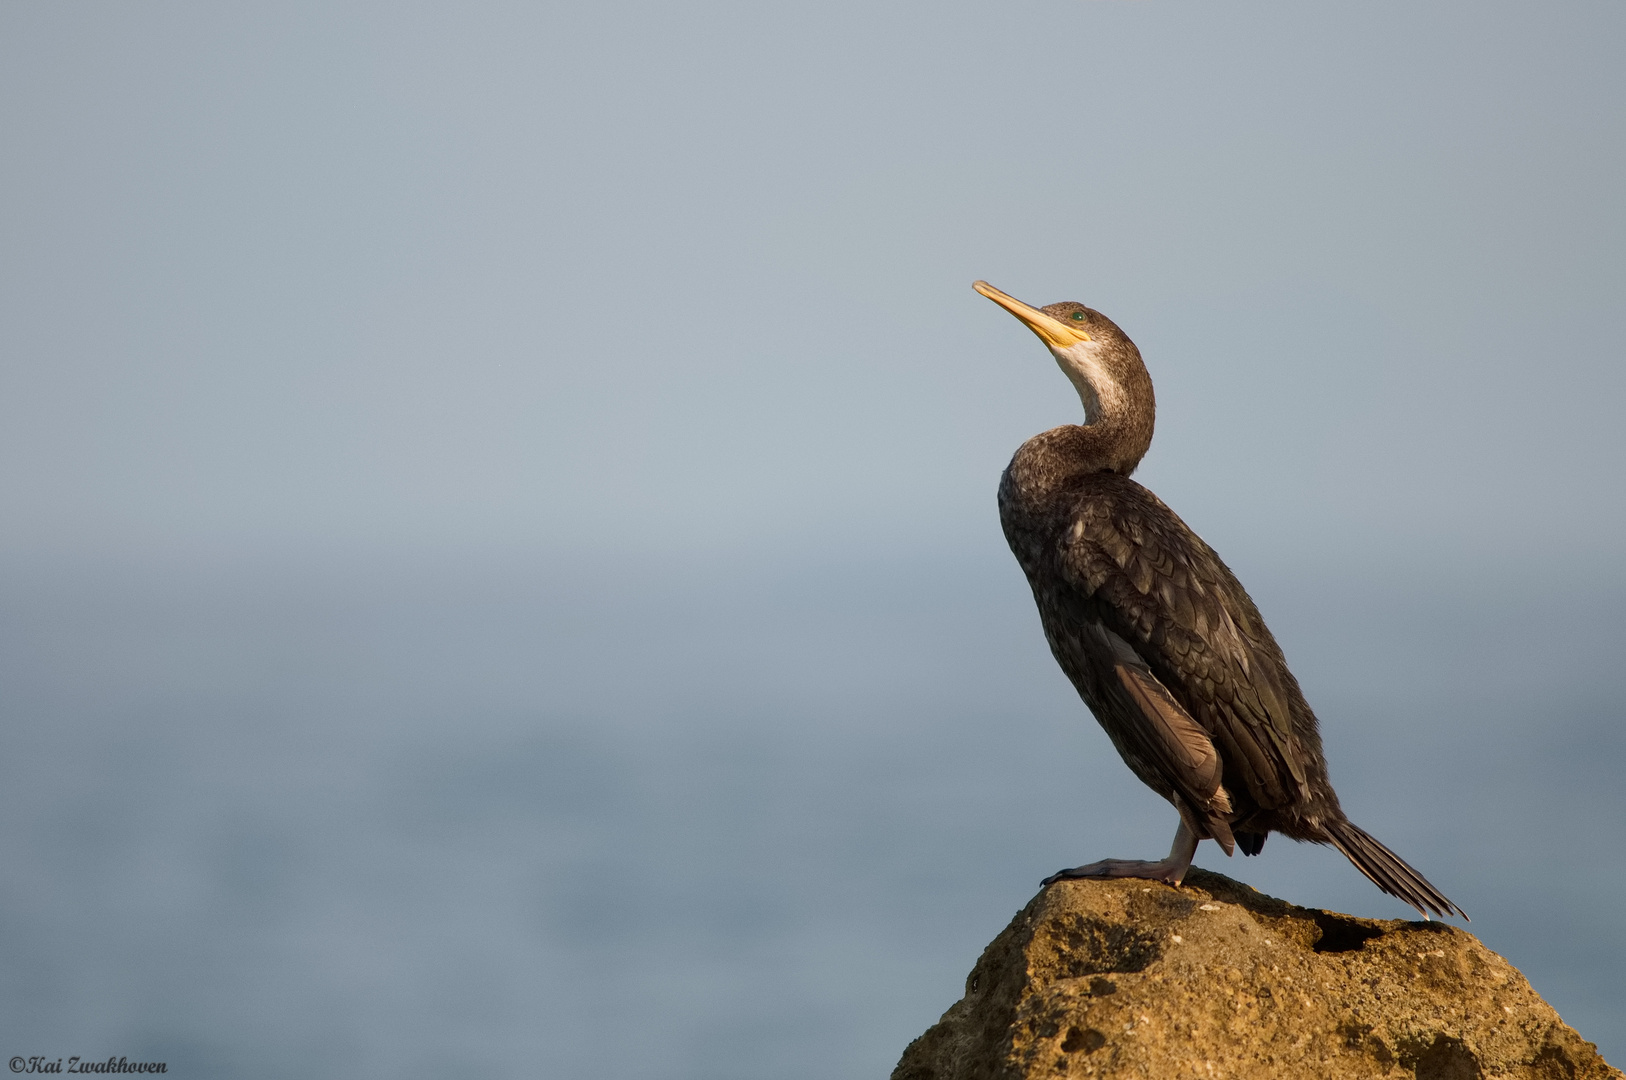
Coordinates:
[1168,871]
[1171,870]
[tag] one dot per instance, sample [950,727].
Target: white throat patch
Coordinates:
[1098,390]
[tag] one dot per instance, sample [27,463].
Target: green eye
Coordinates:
[1078,316]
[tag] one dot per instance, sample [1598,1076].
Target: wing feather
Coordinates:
[1183,753]
[1132,564]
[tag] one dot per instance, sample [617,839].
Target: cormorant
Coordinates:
[1158,636]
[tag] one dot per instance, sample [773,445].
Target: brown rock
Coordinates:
[1215,980]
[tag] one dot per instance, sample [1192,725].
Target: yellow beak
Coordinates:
[1051,330]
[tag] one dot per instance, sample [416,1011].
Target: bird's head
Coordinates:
[1102,364]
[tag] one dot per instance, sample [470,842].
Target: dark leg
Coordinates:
[1171,870]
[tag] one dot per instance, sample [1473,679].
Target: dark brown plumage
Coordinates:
[1160,639]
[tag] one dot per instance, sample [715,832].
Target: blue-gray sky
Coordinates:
[669,277]
[499,518]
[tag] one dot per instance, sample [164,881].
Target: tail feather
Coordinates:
[1389,871]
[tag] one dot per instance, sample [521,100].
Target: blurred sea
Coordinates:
[696,821]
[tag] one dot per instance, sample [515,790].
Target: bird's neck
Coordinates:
[1049,460]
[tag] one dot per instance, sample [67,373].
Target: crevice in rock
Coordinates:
[1088,1040]
[1339,934]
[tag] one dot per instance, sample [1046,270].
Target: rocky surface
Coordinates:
[1132,978]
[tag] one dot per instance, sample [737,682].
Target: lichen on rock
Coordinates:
[1133,978]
